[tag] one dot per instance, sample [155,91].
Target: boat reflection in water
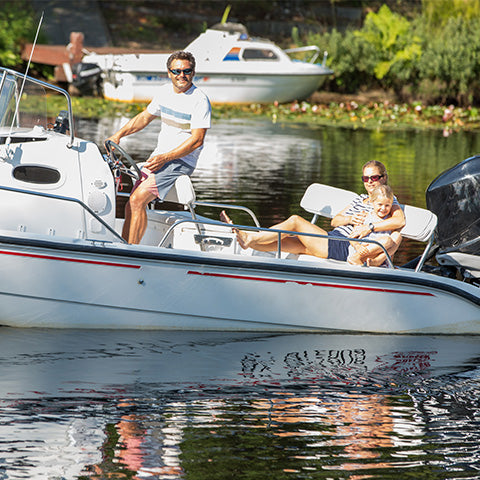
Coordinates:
[168,404]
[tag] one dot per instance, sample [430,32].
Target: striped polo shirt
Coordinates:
[179,113]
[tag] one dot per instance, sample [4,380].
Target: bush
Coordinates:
[398,50]
[451,60]
[435,58]
[17,27]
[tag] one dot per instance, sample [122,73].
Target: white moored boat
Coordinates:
[64,263]
[231,68]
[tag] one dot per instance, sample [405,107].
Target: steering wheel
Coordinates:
[121,160]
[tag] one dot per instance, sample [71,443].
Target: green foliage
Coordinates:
[433,58]
[436,13]
[17,26]
[397,49]
[451,58]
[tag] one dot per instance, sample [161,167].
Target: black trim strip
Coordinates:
[317,271]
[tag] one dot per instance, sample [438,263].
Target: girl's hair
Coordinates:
[382,191]
[381,168]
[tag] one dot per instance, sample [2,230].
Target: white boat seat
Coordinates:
[182,192]
[420,223]
[326,201]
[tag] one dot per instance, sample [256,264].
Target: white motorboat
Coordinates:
[231,67]
[64,263]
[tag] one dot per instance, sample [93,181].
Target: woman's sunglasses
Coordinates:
[373,178]
[178,71]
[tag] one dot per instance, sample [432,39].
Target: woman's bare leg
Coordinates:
[268,241]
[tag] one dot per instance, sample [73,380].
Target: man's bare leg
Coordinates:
[126,223]
[136,215]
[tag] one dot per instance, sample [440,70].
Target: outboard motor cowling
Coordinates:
[87,78]
[454,196]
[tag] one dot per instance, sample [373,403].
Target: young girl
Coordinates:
[359,253]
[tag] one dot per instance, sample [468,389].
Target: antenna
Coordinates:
[15,115]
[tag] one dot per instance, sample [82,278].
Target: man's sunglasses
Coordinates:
[373,178]
[178,71]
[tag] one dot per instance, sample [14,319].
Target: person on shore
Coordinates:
[360,253]
[185,113]
[347,222]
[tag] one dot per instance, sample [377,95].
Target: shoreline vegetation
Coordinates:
[346,113]
[420,57]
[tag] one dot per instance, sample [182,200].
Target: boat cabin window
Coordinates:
[259,54]
[36,174]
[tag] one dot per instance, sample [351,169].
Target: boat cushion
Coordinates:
[327,201]
[182,192]
[420,223]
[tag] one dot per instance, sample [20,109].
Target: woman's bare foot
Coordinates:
[242,237]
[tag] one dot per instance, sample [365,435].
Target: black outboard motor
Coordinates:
[454,196]
[87,78]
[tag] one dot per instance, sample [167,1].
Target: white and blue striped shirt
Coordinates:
[180,113]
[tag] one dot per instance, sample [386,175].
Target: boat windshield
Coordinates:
[39,102]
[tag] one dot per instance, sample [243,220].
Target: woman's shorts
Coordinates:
[160,182]
[337,249]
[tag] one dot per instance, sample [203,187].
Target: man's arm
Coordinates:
[134,125]
[188,146]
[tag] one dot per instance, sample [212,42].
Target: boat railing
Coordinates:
[310,48]
[66,199]
[279,233]
[21,77]
[230,206]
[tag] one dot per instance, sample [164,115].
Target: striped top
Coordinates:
[180,113]
[357,205]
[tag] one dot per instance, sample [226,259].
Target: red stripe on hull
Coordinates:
[315,284]
[74,260]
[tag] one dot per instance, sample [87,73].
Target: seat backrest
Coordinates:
[325,200]
[420,223]
[182,191]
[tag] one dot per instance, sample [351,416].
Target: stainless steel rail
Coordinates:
[272,230]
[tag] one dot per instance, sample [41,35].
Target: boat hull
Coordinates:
[135,287]
[235,88]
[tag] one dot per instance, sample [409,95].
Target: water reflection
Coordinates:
[267,167]
[134,404]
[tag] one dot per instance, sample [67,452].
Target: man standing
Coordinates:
[185,113]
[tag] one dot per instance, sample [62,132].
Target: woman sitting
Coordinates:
[350,221]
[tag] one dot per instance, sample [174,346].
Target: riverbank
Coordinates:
[373,115]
